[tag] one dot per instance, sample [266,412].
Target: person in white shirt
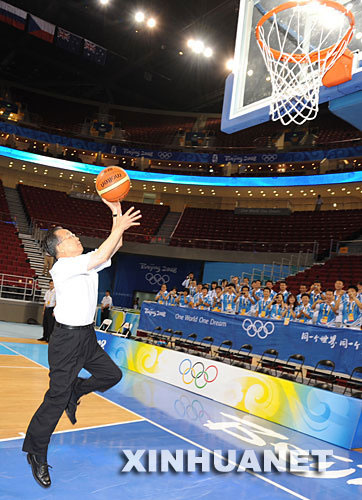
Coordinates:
[187,282]
[352,310]
[204,301]
[359,290]
[303,289]
[73,344]
[106,306]
[48,315]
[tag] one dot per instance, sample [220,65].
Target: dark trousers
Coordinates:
[48,322]
[104,314]
[69,352]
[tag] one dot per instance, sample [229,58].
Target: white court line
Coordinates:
[267,480]
[80,428]
[31,367]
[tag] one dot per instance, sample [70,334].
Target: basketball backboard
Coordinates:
[248,88]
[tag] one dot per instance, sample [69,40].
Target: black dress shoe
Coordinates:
[42,339]
[72,408]
[40,470]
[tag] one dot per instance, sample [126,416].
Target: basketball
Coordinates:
[113,184]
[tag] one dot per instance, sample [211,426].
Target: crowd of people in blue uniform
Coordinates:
[338,307]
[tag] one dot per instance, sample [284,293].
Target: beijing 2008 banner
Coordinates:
[325,415]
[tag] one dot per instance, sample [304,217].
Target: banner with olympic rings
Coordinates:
[147,274]
[325,415]
[341,345]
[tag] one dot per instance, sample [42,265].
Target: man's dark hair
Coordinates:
[51,241]
[245,286]
[339,279]
[317,281]
[218,286]
[282,282]
[267,288]
[186,290]
[330,290]
[214,282]
[305,295]
[354,288]
[303,284]
[204,288]
[108,291]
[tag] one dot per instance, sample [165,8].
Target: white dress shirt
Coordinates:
[77,289]
[49,298]
[107,301]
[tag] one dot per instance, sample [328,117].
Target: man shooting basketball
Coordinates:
[73,344]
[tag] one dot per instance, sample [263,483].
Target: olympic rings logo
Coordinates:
[197,373]
[262,330]
[157,279]
[164,156]
[269,158]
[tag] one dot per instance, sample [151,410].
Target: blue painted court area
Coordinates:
[7,351]
[87,463]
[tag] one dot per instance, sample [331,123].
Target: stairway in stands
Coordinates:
[31,246]
[167,227]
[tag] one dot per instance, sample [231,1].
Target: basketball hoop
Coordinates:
[300,51]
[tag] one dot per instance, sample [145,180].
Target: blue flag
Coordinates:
[94,52]
[68,41]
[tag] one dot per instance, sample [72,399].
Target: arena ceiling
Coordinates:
[144,67]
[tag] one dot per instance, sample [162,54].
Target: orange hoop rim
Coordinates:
[317,54]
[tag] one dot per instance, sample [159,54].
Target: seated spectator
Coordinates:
[277,307]
[270,285]
[262,307]
[171,297]
[204,301]
[315,292]
[283,290]
[327,309]
[244,301]
[304,311]
[352,310]
[228,300]
[187,282]
[184,299]
[289,313]
[161,297]
[302,289]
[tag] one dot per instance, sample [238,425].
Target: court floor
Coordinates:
[142,413]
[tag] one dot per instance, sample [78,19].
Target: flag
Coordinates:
[94,52]
[40,28]
[12,15]
[68,41]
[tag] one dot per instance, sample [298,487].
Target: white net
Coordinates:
[291,42]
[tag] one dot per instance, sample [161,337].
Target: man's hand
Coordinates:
[129,218]
[115,206]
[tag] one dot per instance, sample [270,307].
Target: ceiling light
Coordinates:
[104,2]
[230,64]
[198,46]
[208,52]
[139,17]
[151,23]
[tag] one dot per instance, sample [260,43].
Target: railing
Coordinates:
[40,227]
[19,288]
[249,246]
[352,247]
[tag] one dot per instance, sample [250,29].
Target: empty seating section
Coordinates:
[152,128]
[222,229]
[86,217]
[347,268]
[13,259]
[4,209]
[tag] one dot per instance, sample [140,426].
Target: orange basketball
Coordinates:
[113,183]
